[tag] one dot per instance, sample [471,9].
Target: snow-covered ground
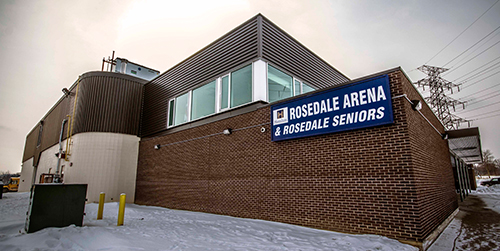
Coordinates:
[155,228]
[481,232]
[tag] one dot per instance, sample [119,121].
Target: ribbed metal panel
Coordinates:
[52,124]
[281,50]
[51,130]
[30,145]
[234,49]
[108,102]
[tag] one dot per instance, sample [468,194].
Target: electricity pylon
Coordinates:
[438,100]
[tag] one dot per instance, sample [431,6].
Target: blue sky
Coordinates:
[45,45]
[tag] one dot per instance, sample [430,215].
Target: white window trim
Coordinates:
[259,80]
[189,106]
[168,113]
[267,83]
[218,92]
[228,93]
[300,87]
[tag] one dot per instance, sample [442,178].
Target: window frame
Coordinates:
[218,97]
[171,107]
[188,107]
[284,72]
[228,75]
[300,86]
[231,84]
[191,100]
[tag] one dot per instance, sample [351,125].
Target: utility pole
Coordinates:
[438,100]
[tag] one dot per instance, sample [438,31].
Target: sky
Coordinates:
[45,45]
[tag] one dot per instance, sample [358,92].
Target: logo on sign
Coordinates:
[280,116]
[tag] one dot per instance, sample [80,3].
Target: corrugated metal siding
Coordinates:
[30,145]
[237,47]
[108,102]
[52,124]
[281,50]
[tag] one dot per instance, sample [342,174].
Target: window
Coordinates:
[279,84]
[171,112]
[181,109]
[241,86]
[231,90]
[224,97]
[306,88]
[203,101]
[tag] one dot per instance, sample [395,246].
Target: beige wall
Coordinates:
[107,162]
[26,176]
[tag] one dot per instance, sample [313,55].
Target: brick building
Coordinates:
[206,143]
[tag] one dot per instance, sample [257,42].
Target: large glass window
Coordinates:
[231,90]
[181,109]
[241,86]
[279,84]
[203,101]
[306,88]
[224,99]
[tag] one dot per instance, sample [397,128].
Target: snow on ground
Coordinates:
[480,232]
[490,195]
[155,228]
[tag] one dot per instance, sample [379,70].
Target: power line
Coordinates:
[476,69]
[487,117]
[478,115]
[481,107]
[472,46]
[465,57]
[481,100]
[467,86]
[483,95]
[462,32]
[479,91]
[472,58]
[480,73]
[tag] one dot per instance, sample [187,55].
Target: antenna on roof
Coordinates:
[110,62]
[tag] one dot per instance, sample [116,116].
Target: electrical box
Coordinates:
[56,205]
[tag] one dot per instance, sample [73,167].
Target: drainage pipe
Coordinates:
[57,178]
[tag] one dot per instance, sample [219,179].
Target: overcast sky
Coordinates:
[46,45]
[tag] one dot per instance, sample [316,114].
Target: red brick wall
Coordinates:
[360,181]
[433,173]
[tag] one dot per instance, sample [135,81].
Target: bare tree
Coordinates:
[490,165]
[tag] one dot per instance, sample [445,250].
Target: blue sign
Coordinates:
[358,105]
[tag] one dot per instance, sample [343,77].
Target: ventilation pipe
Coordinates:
[57,178]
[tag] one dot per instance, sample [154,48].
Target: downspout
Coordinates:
[57,178]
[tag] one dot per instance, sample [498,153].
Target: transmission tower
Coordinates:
[438,99]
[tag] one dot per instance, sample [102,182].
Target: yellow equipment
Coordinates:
[12,186]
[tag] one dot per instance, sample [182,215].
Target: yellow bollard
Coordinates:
[101,206]
[121,209]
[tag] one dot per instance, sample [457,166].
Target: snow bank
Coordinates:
[155,228]
[495,189]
